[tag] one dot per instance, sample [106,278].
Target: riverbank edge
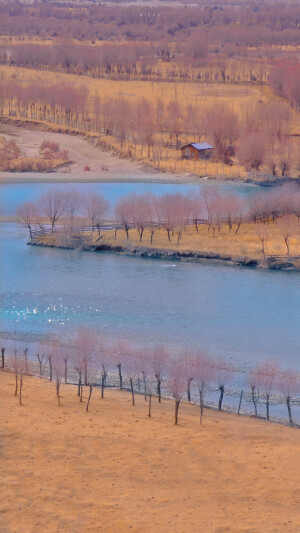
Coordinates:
[270,263]
[209,406]
[264,181]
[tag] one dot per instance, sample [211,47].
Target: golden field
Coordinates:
[115,470]
[239,98]
[245,244]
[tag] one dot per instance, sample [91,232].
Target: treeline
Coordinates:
[259,138]
[171,212]
[238,25]
[284,79]
[91,360]
[191,61]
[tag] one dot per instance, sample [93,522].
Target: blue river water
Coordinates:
[248,315]
[11,195]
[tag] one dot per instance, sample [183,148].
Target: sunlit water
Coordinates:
[245,314]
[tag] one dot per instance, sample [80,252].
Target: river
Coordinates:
[247,315]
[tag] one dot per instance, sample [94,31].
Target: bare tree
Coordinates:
[86,343]
[262,230]
[253,380]
[89,398]
[288,384]
[123,213]
[251,150]
[221,124]
[58,365]
[27,214]
[178,385]
[3,357]
[223,376]
[285,225]
[41,356]
[97,209]
[144,355]
[203,375]
[266,378]
[189,365]
[131,364]
[158,360]
[53,205]
[73,204]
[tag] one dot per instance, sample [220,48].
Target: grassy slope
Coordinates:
[115,470]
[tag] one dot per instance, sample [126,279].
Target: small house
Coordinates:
[197,151]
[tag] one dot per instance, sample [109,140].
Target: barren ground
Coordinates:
[114,470]
[81,152]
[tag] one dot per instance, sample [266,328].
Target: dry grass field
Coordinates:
[246,244]
[238,98]
[115,470]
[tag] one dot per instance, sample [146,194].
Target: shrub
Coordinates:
[49,146]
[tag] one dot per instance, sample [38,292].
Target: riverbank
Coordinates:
[114,469]
[104,164]
[231,248]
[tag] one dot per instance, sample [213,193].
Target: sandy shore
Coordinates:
[81,152]
[115,470]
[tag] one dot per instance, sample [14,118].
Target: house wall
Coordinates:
[189,152]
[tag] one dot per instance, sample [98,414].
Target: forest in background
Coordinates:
[244,56]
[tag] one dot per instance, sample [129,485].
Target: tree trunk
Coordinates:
[150,403]
[21,385]
[89,398]
[50,369]
[201,404]
[81,393]
[240,402]
[238,227]
[132,391]
[254,400]
[66,370]
[57,391]
[221,388]
[289,409]
[287,246]
[189,381]
[16,389]
[145,386]
[119,367]
[79,385]
[159,389]
[26,359]
[2,356]
[267,406]
[177,403]
[103,379]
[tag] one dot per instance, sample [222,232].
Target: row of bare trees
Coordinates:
[259,137]
[231,28]
[55,205]
[172,212]
[90,360]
